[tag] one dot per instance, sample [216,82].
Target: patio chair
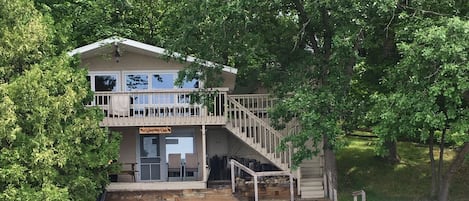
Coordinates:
[192,165]
[174,165]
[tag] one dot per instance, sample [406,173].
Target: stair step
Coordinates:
[306,165]
[312,160]
[311,174]
[316,179]
[312,188]
[312,194]
[312,165]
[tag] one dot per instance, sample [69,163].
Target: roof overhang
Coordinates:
[148,48]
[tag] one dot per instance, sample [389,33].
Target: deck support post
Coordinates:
[256,189]
[292,190]
[233,178]
[204,154]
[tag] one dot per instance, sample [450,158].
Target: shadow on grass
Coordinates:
[359,168]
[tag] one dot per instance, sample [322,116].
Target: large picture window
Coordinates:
[163,80]
[136,82]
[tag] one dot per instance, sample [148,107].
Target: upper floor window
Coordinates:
[104,82]
[163,80]
[136,82]
[193,84]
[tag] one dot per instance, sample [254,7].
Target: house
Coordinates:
[168,139]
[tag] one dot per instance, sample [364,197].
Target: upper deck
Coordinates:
[173,107]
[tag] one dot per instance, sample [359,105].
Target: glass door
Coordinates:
[150,158]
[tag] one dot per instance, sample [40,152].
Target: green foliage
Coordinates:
[428,84]
[52,146]
[24,37]
[79,23]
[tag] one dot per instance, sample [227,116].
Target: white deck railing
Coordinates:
[162,107]
[235,164]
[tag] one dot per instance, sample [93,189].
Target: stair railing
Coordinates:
[258,134]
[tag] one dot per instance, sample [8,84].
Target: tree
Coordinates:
[428,87]
[52,147]
[304,48]
[309,54]
[79,23]
[24,38]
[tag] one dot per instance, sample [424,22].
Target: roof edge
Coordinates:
[147,47]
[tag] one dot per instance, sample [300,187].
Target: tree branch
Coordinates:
[427,11]
[389,23]
[327,33]
[304,21]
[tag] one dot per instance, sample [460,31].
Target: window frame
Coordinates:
[93,74]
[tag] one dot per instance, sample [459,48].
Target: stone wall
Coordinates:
[217,194]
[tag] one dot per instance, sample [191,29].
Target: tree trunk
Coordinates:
[441,157]
[454,167]
[330,167]
[392,156]
[435,184]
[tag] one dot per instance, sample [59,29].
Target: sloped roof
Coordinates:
[145,47]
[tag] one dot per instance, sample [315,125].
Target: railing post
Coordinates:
[292,194]
[225,105]
[357,193]
[233,178]
[256,190]
[298,180]
[204,153]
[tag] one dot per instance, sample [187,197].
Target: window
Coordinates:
[136,82]
[193,84]
[163,81]
[179,145]
[104,81]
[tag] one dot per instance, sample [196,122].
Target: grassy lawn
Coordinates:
[359,168]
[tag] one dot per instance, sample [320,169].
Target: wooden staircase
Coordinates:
[246,120]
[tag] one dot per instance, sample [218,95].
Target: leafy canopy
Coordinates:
[51,145]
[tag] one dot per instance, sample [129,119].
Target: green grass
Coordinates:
[409,180]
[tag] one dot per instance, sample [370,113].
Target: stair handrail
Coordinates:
[275,133]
